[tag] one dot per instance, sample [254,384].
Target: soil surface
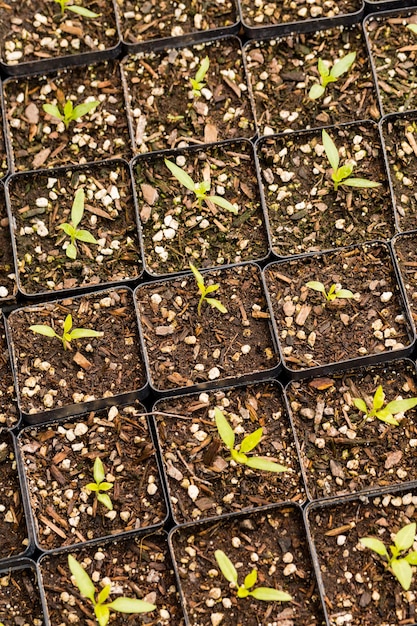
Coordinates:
[266,13]
[405,252]
[8,287]
[19,597]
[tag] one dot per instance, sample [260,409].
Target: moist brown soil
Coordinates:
[8,287]
[405,253]
[193,453]
[139,567]
[177,229]
[305,213]
[164,113]
[394,52]
[157,19]
[281,73]
[258,14]
[49,377]
[59,464]
[315,333]
[9,416]
[356,582]
[48,35]
[272,541]
[4,164]
[40,203]
[399,135]
[184,348]
[13,531]
[341,450]
[39,140]
[19,597]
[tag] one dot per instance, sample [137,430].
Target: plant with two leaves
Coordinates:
[341,175]
[330,75]
[268,594]
[69,333]
[397,563]
[100,484]
[384,413]
[197,83]
[239,453]
[102,610]
[199,189]
[70,229]
[204,292]
[79,10]
[334,292]
[68,113]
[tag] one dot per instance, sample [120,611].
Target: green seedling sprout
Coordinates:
[239,453]
[80,10]
[334,292]
[68,334]
[102,610]
[413,28]
[341,175]
[199,189]
[204,291]
[384,413]
[100,485]
[398,565]
[197,83]
[71,230]
[68,113]
[268,594]
[330,75]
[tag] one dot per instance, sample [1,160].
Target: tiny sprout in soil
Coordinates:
[268,594]
[199,189]
[384,413]
[70,229]
[334,292]
[398,565]
[80,10]
[197,83]
[330,75]
[341,175]
[100,485]
[68,113]
[239,454]
[69,333]
[101,610]
[204,291]
[413,28]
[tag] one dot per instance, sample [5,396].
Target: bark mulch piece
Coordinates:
[19,595]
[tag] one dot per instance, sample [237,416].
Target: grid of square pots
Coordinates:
[142,394]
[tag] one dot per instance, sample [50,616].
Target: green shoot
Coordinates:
[268,594]
[199,189]
[239,453]
[100,484]
[334,292]
[399,566]
[197,83]
[68,334]
[69,113]
[384,413]
[341,175]
[204,291]
[413,28]
[102,610]
[70,229]
[330,76]
[64,4]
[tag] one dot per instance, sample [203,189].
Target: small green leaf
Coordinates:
[224,429]
[71,251]
[67,324]
[331,150]
[361,183]
[404,538]
[316,91]
[84,235]
[83,580]
[92,487]
[375,545]
[259,463]
[105,500]
[317,286]
[402,572]
[104,594]
[343,172]
[239,457]
[82,11]
[68,229]
[411,558]
[102,614]
[53,110]
[226,566]
[77,210]
[224,204]
[343,65]
[79,333]
[344,294]
[360,405]
[270,595]
[198,277]
[104,486]
[378,399]
[251,441]
[401,406]
[180,175]
[42,329]
[83,109]
[413,28]
[202,70]
[386,417]
[98,471]
[217,305]
[68,109]
[251,579]
[242,592]
[211,288]
[131,605]
[323,69]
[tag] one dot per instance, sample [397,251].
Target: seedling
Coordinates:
[341,175]
[413,28]
[100,484]
[334,292]
[102,610]
[204,291]
[239,453]
[68,334]
[268,594]
[71,230]
[384,413]
[199,189]
[398,565]
[197,83]
[68,113]
[80,10]
[330,75]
